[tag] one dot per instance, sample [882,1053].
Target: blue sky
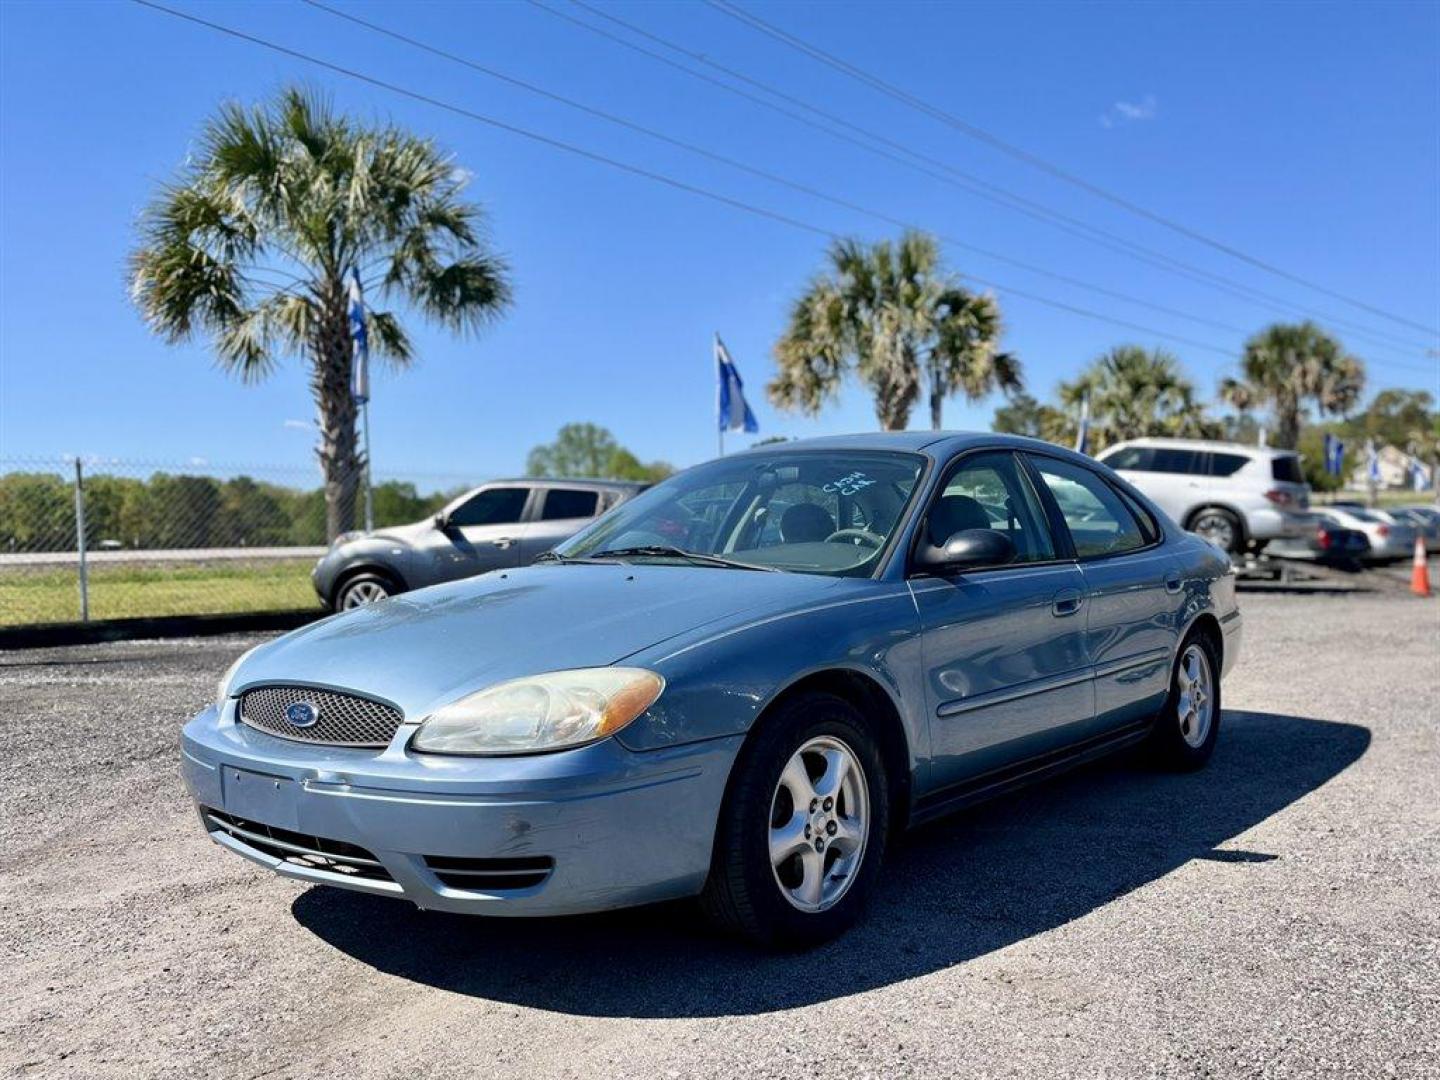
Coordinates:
[1305,134]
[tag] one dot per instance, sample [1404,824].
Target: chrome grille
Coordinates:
[342,719]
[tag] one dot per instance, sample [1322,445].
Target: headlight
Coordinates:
[542,712]
[346,537]
[223,690]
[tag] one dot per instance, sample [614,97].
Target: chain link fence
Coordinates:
[93,539]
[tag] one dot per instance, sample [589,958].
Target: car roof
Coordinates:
[564,481]
[1205,445]
[938,444]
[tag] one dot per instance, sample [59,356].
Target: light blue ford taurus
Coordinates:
[736,686]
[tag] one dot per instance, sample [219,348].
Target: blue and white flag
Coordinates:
[1082,440]
[1419,474]
[733,412]
[359,342]
[1334,455]
[1372,462]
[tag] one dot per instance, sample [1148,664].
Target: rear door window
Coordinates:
[1169,459]
[1287,469]
[562,503]
[1098,518]
[1227,464]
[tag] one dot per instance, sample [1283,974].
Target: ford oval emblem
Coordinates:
[301,714]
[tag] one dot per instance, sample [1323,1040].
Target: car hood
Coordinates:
[423,649]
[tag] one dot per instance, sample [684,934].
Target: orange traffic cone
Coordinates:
[1420,576]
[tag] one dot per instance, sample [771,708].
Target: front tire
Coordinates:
[361,589]
[802,831]
[1189,723]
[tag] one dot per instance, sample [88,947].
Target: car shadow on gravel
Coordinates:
[952,891]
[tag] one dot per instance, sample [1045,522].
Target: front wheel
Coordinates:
[1189,723]
[363,589]
[802,831]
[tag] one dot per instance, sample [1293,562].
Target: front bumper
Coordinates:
[613,827]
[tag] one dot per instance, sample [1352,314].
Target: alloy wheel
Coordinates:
[363,592]
[1218,529]
[1195,703]
[819,822]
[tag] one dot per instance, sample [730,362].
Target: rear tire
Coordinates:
[1221,527]
[1189,723]
[363,588]
[802,831]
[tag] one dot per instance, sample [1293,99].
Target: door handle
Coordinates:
[1173,582]
[503,542]
[1066,602]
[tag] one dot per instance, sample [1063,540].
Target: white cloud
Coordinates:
[300,425]
[1129,112]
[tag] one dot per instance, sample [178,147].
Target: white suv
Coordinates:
[1238,497]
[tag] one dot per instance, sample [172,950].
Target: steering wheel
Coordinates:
[859,536]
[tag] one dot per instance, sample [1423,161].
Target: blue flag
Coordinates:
[1372,463]
[1334,455]
[359,341]
[1419,475]
[733,412]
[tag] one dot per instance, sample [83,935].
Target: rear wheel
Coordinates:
[802,830]
[1220,527]
[362,589]
[1188,725]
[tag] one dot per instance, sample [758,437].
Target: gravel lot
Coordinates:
[1277,914]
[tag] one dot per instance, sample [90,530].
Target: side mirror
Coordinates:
[966,549]
[442,521]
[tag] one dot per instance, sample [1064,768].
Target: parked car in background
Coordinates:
[1236,496]
[1426,521]
[504,524]
[1389,538]
[1327,543]
[739,686]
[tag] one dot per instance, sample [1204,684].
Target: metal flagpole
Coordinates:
[719,393]
[369,491]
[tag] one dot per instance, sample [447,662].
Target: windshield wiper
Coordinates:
[555,556]
[666,551]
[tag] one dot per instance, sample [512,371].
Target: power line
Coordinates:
[949,174]
[636,170]
[1035,161]
[775,178]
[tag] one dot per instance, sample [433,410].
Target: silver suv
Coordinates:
[498,525]
[1237,497]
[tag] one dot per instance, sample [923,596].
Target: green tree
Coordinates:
[253,242]
[1288,366]
[37,513]
[1135,392]
[893,314]
[589,450]
[1023,415]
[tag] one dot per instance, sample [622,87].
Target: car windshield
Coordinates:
[807,511]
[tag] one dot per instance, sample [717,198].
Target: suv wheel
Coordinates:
[363,589]
[802,832]
[1220,527]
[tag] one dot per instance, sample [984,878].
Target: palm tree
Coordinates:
[893,314]
[1135,392]
[252,244]
[1287,366]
